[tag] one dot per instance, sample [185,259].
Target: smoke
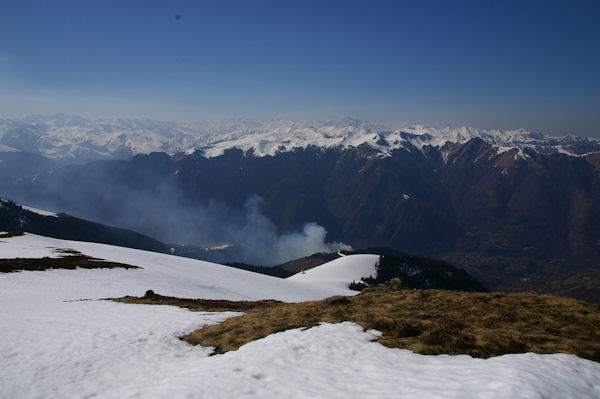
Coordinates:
[264,245]
[140,198]
[252,237]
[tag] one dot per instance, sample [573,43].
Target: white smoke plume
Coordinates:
[260,236]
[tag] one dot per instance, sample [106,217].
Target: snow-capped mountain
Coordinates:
[78,139]
[284,136]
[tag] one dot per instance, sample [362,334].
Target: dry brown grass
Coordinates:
[66,262]
[426,322]
[199,305]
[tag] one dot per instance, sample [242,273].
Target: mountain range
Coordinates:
[75,139]
[519,210]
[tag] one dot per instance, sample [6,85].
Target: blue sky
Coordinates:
[488,64]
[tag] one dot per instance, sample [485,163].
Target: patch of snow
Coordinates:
[218,247]
[340,272]
[29,208]
[519,153]
[39,211]
[561,150]
[13,247]
[502,150]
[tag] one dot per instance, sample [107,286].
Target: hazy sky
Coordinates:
[489,64]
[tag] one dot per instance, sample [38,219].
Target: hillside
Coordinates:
[165,274]
[308,262]
[339,272]
[15,217]
[59,338]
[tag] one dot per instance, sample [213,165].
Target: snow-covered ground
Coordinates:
[162,273]
[339,272]
[52,345]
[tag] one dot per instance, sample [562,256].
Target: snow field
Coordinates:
[339,272]
[165,274]
[340,361]
[81,349]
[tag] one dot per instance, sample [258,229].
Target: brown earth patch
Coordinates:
[71,262]
[199,305]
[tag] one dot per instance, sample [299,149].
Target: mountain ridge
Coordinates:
[77,139]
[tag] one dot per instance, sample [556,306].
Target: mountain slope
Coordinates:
[14,217]
[339,272]
[416,272]
[165,274]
